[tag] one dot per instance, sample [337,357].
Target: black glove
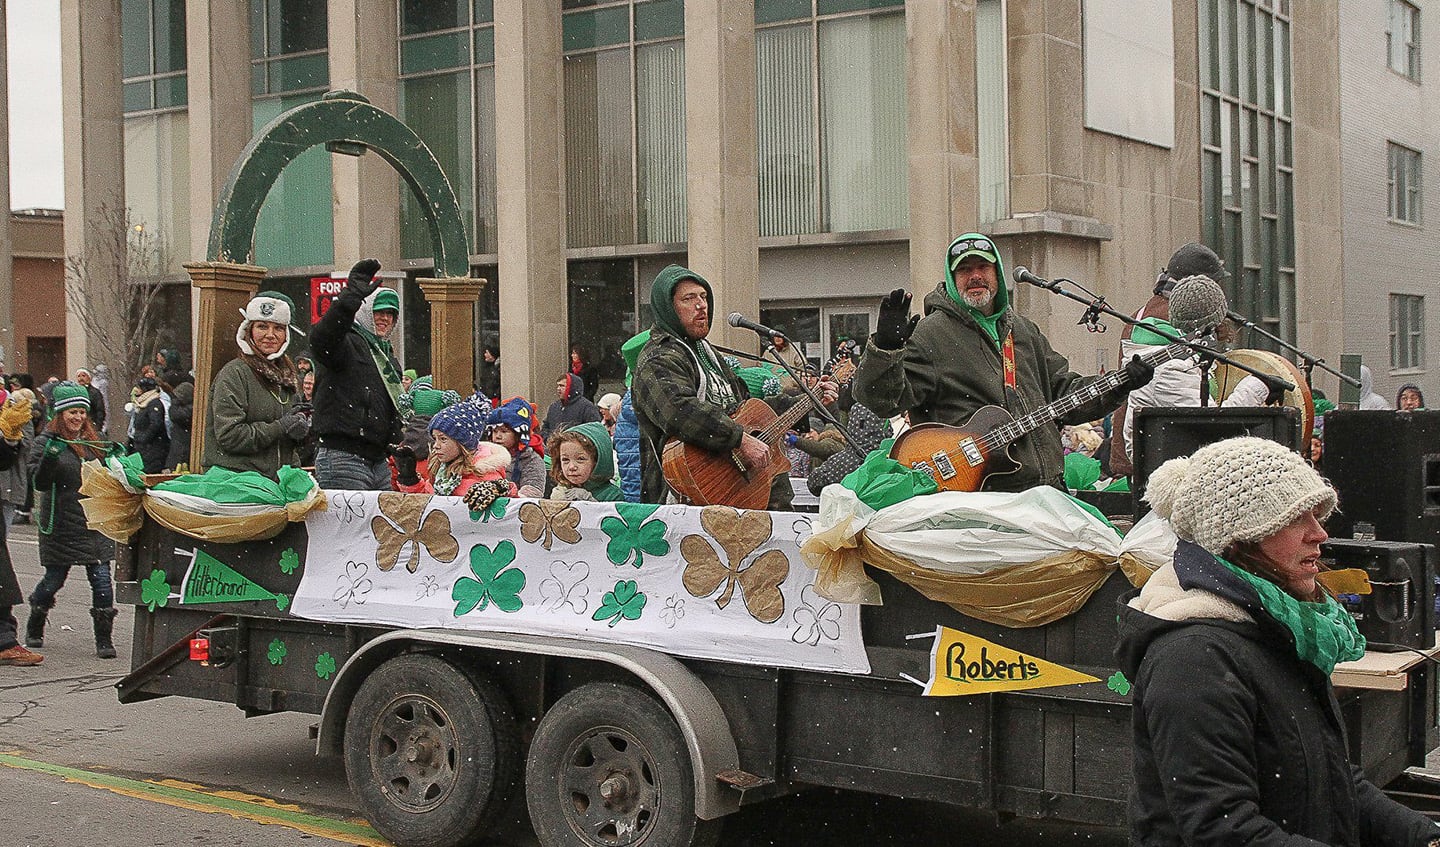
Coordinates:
[362,279]
[1137,372]
[895,323]
[1276,397]
[295,426]
[405,461]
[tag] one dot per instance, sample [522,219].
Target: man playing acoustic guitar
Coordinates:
[684,390]
[971,350]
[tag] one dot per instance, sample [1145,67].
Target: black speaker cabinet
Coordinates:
[1386,468]
[1399,611]
[1162,434]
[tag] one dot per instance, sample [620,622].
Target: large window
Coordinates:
[992,121]
[447,95]
[1402,39]
[625,122]
[288,40]
[1407,332]
[1404,185]
[152,45]
[831,108]
[1247,163]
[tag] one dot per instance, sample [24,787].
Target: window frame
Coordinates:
[1403,48]
[1407,333]
[152,80]
[1404,160]
[261,65]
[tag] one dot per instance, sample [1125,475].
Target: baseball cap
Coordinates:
[973,246]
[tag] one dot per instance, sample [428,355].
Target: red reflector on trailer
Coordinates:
[199,649]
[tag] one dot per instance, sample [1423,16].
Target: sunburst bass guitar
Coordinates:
[961,458]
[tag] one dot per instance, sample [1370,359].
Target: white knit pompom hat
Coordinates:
[1239,489]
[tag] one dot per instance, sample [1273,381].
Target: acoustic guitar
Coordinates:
[961,458]
[705,478]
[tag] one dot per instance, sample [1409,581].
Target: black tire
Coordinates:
[431,752]
[608,767]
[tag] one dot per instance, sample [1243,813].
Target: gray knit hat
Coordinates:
[1239,489]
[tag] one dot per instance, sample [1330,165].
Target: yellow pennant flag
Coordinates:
[961,663]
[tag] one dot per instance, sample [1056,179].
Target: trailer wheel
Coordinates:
[431,752]
[608,767]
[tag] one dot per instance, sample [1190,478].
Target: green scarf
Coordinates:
[1324,633]
[384,357]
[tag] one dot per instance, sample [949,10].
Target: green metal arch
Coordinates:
[345,122]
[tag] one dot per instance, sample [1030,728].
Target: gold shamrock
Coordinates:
[399,526]
[739,533]
[551,519]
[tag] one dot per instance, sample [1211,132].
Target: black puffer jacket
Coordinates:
[354,411]
[152,439]
[64,539]
[1238,740]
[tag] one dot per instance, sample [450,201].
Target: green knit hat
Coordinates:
[630,350]
[410,374]
[70,395]
[426,402]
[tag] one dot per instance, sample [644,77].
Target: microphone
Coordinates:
[1197,305]
[1022,274]
[738,320]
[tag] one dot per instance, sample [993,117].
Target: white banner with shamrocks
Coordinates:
[709,583]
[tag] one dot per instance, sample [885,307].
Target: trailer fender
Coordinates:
[692,704]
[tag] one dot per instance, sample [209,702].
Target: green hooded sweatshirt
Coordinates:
[1002,294]
[662,306]
[602,480]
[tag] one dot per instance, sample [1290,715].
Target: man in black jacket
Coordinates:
[357,384]
[12,418]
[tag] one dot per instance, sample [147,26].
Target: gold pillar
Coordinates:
[224,289]
[452,330]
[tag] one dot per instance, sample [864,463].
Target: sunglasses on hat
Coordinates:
[959,249]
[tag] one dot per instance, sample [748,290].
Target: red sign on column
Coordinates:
[323,289]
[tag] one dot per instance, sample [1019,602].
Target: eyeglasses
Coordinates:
[960,248]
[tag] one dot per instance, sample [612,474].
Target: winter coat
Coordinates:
[1236,739]
[242,423]
[97,407]
[589,375]
[10,593]
[15,476]
[601,486]
[152,438]
[950,367]
[488,462]
[627,449]
[868,430]
[569,410]
[1369,400]
[527,468]
[182,412]
[64,538]
[354,411]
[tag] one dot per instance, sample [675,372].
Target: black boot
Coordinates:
[104,625]
[35,626]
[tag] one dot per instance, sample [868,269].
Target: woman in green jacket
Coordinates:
[254,422]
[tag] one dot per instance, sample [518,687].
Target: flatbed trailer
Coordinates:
[620,744]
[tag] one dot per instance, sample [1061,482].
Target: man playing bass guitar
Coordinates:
[971,350]
[684,391]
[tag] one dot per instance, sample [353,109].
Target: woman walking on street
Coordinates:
[68,440]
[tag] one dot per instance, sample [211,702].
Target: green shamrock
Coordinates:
[496,510]
[623,602]
[494,584]
[282,601]
[289,560]
[277,651]
[325,666]
[1118,683]
[631,532]
[154,590]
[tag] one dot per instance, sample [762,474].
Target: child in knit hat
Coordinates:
[582,463]
[510,427]
[459,457]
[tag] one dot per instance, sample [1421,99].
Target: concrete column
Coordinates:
[8,354]
[720,158]
[366,188]
[222,289]
[941,132]
[529,150]
[452,330]
[218,66]
[94,147]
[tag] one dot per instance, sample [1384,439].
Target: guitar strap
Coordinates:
[1007,351]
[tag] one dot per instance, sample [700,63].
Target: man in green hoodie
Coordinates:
[971,349]
[683,389]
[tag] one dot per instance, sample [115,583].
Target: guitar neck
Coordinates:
[782,424]
[1048,414]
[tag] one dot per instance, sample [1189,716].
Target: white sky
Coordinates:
[36,153]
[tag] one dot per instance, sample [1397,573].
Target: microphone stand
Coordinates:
[1204,353]
[820,409]
[1308,362]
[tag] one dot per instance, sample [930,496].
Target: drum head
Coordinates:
[1226,377]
